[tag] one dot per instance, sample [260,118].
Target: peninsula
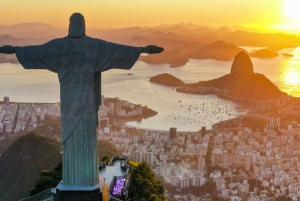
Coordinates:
[241,83]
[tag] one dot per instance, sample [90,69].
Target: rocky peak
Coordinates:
[242,65]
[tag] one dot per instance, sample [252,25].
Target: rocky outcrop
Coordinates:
[22,163]
[242,65]
[242,82]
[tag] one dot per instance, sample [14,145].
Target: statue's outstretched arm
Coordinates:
[152,49]
[7,49]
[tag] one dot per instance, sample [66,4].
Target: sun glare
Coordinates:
[292,78]
[296,52]
[290,21]
[292,9]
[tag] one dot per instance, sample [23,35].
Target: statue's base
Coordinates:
[94,195]
[78,193]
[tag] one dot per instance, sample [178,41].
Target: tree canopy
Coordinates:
[145,187]
[48,179]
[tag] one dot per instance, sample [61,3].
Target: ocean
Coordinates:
[184,111]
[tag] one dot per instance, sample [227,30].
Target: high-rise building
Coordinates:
[173,133]
[202,150]
[243,195]
[181,140]
[34,119]
[203,130]
[111,108]
[256,170]
[103,122]
[139,110]
[220,184]
[277,181]
[274,123]
[148,157]
[117,108]
[102,99]
[137,156]
[247,162]
[246,185]
[161,170]
[6,100]
[201,163]
[289,151]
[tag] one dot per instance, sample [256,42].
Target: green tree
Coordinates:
[145,187]
[107,149]
[254,122]
[105,159]
[48,179]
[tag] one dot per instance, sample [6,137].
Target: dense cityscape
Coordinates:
[252,157]
[16,118]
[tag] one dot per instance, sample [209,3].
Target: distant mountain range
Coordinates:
[32,30]
[173,57]
[264,53]
[187,40]
[216,50]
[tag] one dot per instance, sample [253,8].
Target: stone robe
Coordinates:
[79,63]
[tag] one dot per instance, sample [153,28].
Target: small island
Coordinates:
[287,55]
[167,80]
[264,54]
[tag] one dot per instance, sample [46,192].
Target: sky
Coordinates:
[266,15]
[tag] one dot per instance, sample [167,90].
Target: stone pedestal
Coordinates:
[74,193]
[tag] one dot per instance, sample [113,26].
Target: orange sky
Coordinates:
[265,15]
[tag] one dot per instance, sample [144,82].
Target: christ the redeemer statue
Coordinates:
[79,60]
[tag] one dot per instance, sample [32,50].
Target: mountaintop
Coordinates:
[22,163]
[242,65]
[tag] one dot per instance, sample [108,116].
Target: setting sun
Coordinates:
[292,9]
[290,21]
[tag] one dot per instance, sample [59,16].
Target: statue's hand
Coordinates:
[7,49]
[152,49]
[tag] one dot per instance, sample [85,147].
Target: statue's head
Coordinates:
[77,26]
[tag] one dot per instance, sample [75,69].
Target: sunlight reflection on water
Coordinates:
[290,74]
[186,112]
